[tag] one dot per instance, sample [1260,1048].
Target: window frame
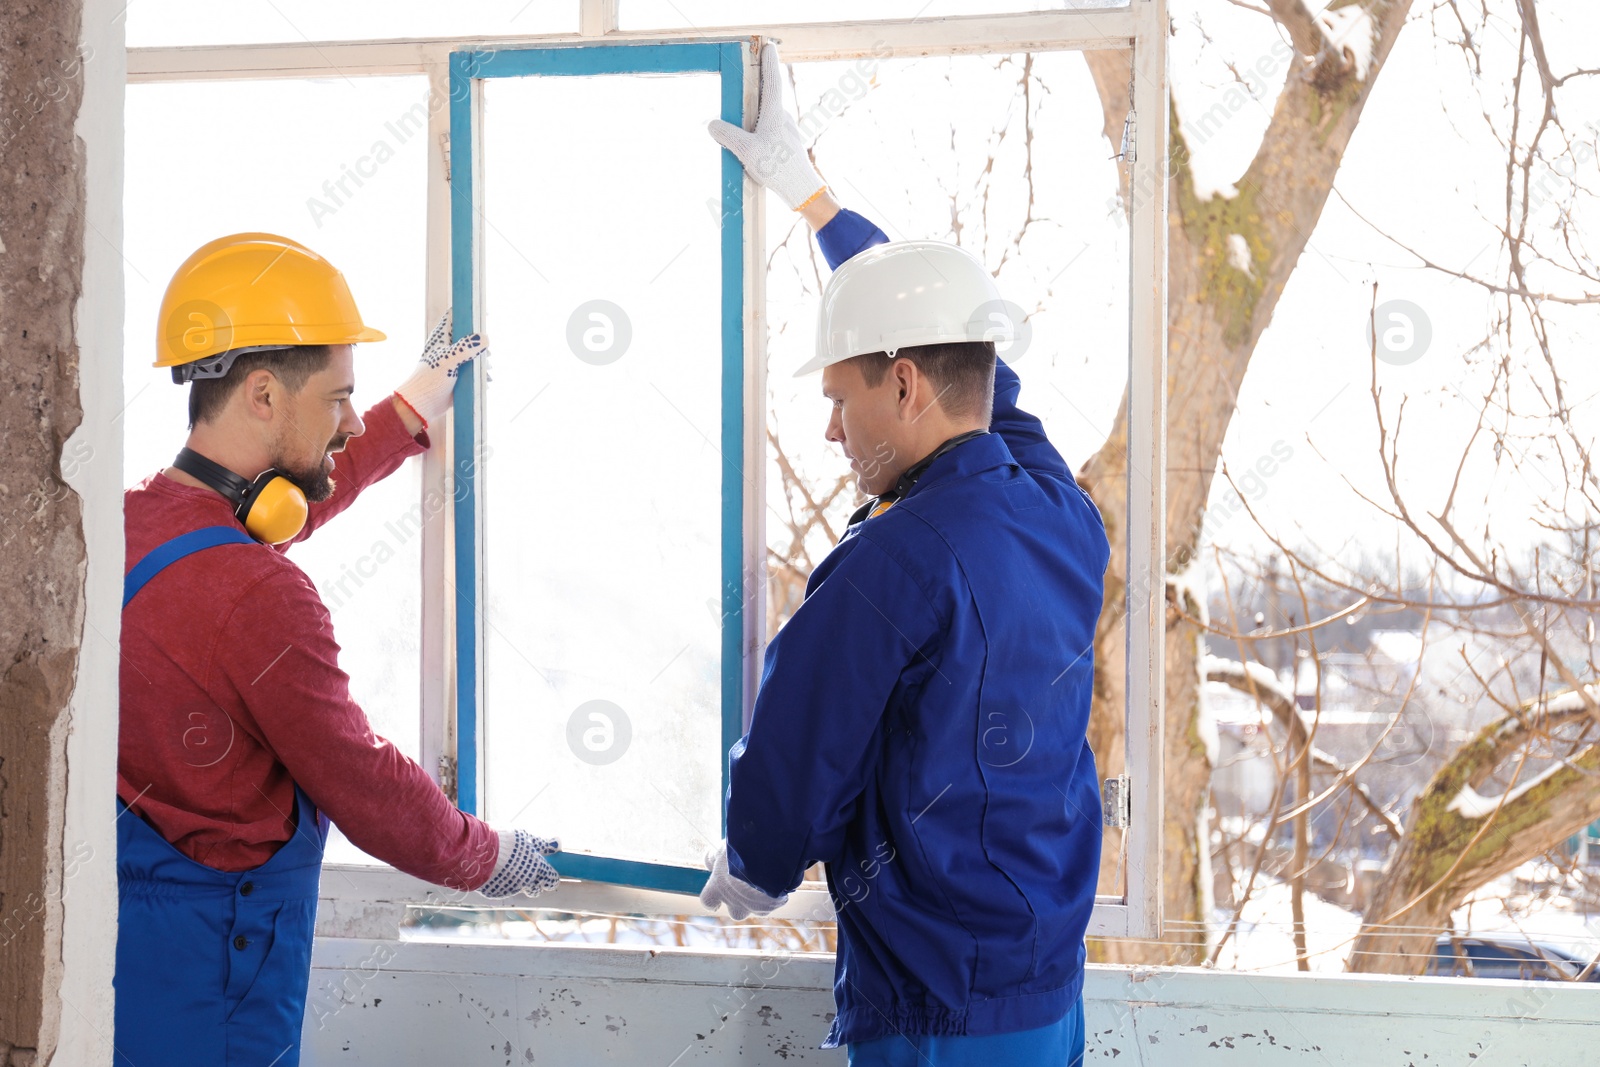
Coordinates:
[1139,27]
[469,69]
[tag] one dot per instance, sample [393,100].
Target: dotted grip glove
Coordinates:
[429,389]
[774,153]
[742,898]
[522,867]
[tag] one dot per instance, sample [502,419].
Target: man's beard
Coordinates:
[316,483]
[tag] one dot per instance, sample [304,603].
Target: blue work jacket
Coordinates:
[920,729]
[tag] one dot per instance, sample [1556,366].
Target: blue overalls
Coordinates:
[212,966]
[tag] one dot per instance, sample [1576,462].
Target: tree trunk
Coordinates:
[1455,840]
[1217,312]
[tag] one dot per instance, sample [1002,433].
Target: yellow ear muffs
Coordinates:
[272,508]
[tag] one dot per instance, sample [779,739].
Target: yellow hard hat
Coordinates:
[252,291]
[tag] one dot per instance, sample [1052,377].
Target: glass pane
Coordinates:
[689,14]
[603,472]
[158,23]
[1001,154]
[271,150]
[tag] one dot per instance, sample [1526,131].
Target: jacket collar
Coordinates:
[962,455]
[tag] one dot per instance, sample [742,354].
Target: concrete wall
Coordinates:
[60,524]
[392,1003]
[42,553]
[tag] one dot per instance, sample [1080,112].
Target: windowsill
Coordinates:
[359,900]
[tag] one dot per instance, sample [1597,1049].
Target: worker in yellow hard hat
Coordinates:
[239,740]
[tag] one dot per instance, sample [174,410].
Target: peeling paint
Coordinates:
[1182,1015]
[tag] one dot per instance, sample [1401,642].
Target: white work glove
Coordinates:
[774,153]
[430,387]
[742,898]
[522,867]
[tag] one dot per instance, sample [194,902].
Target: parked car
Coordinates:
[1520,958]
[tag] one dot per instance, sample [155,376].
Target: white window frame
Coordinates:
[1141,27]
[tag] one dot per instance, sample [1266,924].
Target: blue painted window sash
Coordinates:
[727,60]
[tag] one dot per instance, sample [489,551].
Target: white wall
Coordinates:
[92,464]
[393,1003]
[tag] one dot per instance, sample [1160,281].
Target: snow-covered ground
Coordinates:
[1264,938]
[1510,908]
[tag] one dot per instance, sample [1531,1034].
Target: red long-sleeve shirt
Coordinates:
[232,694]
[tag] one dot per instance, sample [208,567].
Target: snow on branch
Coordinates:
[1349,31]
[1259,682]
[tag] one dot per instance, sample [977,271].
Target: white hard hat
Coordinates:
[907,293]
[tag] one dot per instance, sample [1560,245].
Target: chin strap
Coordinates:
[884,501]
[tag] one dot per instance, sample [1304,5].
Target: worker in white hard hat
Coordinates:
[239,739]
[921,723]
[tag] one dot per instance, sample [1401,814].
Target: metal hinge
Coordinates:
[1129,126]
[444,150]
[447,777]
[1116,801]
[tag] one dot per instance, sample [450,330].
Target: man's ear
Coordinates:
[261,392]
[906,378]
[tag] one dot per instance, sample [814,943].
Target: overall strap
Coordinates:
[166,554]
